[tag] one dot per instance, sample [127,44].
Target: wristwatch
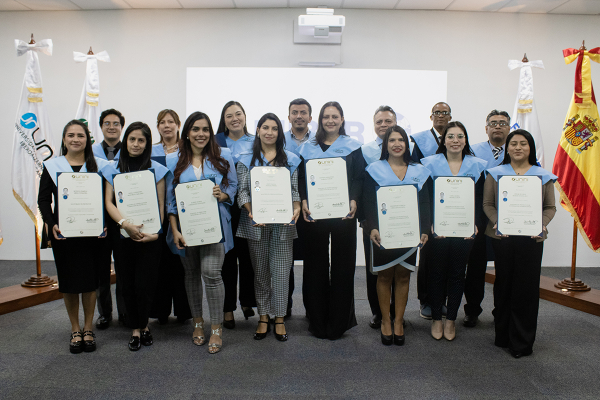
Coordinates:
[120,223]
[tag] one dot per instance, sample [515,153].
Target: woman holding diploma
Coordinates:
[200,157]
[394,266]
[78,260]
[233,134]
[449,255]
[271,246]
[329,300]
[518,259]
[139,254]
[170,291]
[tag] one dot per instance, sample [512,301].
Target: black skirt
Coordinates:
[388,256]
[78,263]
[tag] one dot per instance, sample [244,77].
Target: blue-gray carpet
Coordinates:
[35,362]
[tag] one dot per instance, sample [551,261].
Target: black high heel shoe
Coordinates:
[399,340]
[261,336]
[229,323]
[248,312]
[89,345]
[146,338]
[281,338]
[387,339]
[76,347]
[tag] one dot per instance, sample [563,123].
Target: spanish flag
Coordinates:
[577,160]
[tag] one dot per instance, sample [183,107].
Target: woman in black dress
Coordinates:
[78,262]
[395,168]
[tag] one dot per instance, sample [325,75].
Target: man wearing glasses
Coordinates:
[426,144]
[111,122]
[492,150]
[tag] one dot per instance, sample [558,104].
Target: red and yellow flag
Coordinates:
[577,160]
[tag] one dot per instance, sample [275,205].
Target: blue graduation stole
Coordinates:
[507,169]
[293,160]
[158,154]
[484,151]
[111,169]
[426,142]
[372,151]
[237,147]
[438,165]
[382,173]
[99,152]
[342,146]
[60,164]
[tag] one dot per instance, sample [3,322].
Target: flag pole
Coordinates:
[575,285]
[39,279]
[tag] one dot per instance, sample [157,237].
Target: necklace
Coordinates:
[174,147]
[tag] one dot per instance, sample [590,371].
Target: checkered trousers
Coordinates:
[272,259]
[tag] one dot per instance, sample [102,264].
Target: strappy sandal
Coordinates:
[76,347]
[199,340]
[89,345]
[215,347]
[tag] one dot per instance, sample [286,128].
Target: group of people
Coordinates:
[262,255]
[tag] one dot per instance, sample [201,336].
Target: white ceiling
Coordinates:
[511,6]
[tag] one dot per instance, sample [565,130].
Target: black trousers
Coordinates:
[298,255]
[139,270]
[422,274]
[103,293]
[170,292]
[447,263]
[229,272]
[475,281]
[518,261]
[371,278]
[329,298]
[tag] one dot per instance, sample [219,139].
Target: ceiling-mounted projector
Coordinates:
[321,23]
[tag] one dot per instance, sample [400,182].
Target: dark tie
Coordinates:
[496,152]
[111,153]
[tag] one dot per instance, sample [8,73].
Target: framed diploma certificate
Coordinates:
[454,206]
[398,212]
[519,205]
[80,204]
[199,214]
[327,188]
[137,200]
[271,192]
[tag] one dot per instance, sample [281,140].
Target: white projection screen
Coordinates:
[360,91]
[411,94]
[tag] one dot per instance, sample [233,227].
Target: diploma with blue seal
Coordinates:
[271,193]
[519,205]
[80,204]
[398,212]
[137,200]
[454,206]
[327,188]
[198,212]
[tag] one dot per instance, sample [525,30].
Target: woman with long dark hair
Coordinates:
[518,259]
[449,255]
[200,157]
[78,260]
[233,134]
[271,246]
[170,291]
[138,254]
[394,168]
[329,298]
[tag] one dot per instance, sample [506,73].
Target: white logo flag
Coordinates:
[33,143]
[89,104]
[524,115]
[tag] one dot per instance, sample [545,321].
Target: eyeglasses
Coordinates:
[108,123]
[494,124]
[438,113]
[452,136]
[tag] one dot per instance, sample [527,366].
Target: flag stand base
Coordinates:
[38,281]
[572,285]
